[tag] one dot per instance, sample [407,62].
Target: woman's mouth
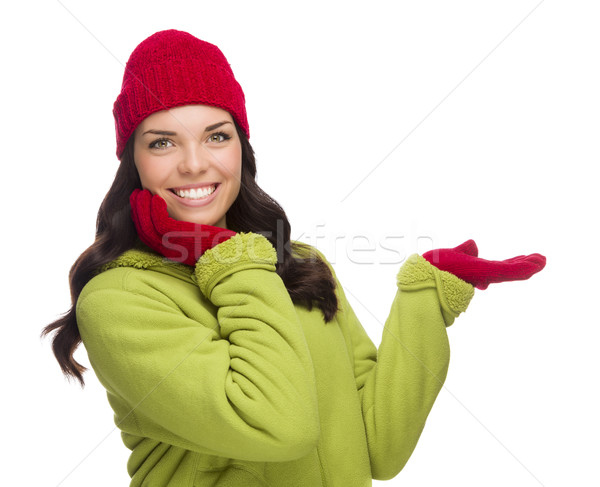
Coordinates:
[195,193]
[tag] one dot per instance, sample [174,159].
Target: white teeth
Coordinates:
[195,194]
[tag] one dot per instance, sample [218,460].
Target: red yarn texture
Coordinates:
[463,262]
[180,241]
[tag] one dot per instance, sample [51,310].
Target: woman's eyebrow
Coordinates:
[215,126]
[159,132]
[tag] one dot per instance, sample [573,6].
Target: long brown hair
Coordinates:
[308,279]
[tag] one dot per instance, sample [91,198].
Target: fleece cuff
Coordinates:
[454,293]
[242,251]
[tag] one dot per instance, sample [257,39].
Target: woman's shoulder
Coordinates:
[136,269]
[310,252]
[137,258]
[306,251]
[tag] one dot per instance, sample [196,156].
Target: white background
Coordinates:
[468,119]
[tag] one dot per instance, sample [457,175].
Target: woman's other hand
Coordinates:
[463,262]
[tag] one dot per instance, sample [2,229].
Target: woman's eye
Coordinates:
[161,144]
[218,137]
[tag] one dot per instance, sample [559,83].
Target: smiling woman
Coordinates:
[230,353]
[191,156]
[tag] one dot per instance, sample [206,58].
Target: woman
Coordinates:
[229,353]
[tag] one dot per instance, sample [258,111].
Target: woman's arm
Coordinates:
[399,383]
[240,387]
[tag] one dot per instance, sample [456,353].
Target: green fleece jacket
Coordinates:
[217,378]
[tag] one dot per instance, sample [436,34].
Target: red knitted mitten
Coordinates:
[462,261]
[180,241]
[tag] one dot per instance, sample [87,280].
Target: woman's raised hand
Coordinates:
[462,261]
[180,241]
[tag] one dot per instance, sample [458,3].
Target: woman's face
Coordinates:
[191,156]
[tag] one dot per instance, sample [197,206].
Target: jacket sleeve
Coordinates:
[399,383]
[243,388]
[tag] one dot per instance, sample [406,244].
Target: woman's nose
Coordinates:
[195,159]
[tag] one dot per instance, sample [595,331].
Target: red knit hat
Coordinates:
[173,68]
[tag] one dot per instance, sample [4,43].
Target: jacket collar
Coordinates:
[142,257]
